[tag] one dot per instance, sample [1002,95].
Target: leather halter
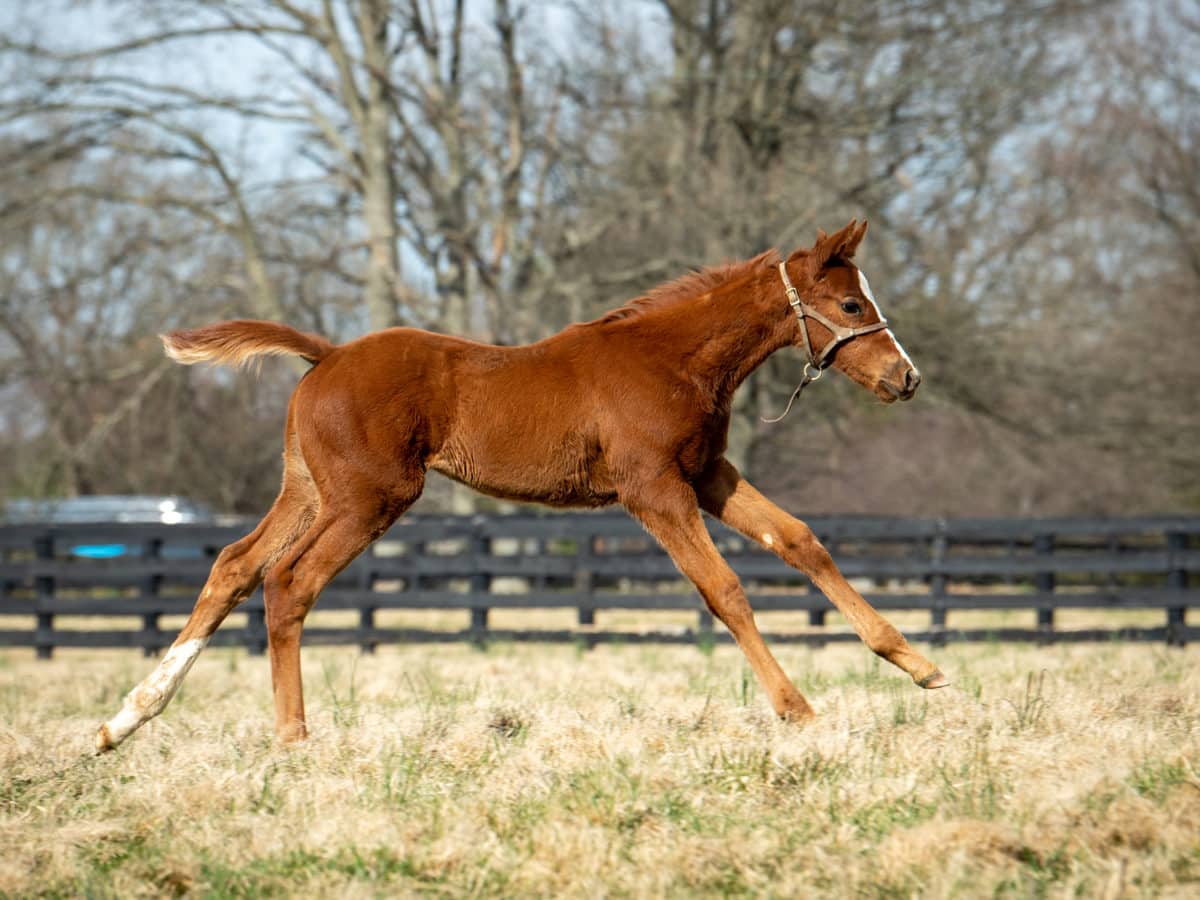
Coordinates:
[817,362]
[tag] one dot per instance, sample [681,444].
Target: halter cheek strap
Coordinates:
[816,363]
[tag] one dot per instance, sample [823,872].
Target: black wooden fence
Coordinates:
[589,563]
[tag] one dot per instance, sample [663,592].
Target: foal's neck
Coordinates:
[728,333]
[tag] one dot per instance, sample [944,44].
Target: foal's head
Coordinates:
[835,315]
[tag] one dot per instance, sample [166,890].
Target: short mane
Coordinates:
[691,284]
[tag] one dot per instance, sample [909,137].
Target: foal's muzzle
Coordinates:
[902,384]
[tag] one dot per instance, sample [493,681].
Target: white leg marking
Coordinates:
[149,698]
[768,540]
[866,289]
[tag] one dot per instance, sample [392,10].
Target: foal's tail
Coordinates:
[238,342]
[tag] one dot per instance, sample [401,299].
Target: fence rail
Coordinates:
[602,562]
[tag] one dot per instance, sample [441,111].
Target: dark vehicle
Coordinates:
[102,509]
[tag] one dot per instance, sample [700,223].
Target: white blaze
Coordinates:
[147,700]
[866,289]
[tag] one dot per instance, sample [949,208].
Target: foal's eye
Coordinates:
[851,307]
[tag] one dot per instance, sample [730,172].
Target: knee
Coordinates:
[727,601]
[232,576]
[800,548]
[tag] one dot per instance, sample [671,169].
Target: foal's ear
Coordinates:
[854,239]
[839,245]
[843,243]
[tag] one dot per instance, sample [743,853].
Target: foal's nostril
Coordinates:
[912,378]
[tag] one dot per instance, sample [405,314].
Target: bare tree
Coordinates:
[769,119]
[84,287]
[1029,171]
[421,122]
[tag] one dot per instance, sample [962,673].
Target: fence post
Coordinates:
[937,585]
[256,625]
[1043,546]
[151,551]
[585,584]
[366,624]
[1177,580]
[817,617]
[479,547]
[366,613]
[43,638]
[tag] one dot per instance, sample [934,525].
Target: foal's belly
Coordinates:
[558,473]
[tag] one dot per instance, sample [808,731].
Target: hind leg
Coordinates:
[344,528]
[238,570]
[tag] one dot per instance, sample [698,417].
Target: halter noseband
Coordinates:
[816,363]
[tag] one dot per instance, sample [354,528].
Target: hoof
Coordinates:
[798,718]
[933,680]
[104,741]
[798,714]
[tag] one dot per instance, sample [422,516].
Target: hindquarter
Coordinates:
[373,412]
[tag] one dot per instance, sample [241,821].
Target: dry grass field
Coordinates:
[620,771]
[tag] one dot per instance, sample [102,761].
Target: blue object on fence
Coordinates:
[100,551]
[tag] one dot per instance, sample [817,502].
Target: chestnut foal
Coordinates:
[632,408]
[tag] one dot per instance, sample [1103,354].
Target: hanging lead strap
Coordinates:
[804,382]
